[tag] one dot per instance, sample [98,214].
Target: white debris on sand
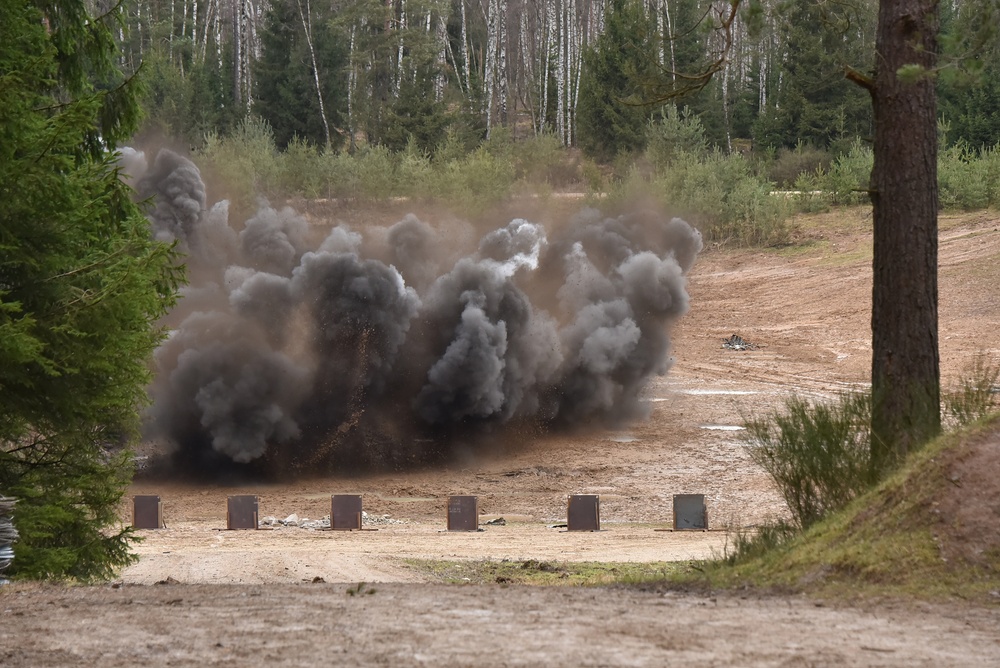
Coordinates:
[295,521]
[8,534]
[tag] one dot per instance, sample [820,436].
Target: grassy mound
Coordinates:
[932,530]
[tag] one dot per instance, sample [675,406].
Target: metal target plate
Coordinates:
[463,513]
[241,512]
[583,513]
[147,512]
[345,512]
[690,512]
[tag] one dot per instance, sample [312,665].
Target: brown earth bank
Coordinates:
[248,597]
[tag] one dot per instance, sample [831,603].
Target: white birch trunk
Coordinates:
[489,73]
[352,81]
[306,19]
[546,64]
[561,66]
[502,87]
[170,37]
[465,51]
[237,52]
[440,79]
[400,30]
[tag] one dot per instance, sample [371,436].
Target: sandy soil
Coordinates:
[247,597]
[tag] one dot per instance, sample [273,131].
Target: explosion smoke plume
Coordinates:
[392,348]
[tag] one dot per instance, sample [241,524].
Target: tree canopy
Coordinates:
[82,286]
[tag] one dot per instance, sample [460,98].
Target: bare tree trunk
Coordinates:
[561,76]
[400,30]
[352,81]
[502,83]
[725,106]
[465,50]
[489,74]
[170,38]
[306,19]
[441,37]
[905,364]
[238,52]
[549,44]
[671,40]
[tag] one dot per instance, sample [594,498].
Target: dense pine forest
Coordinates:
[353,73]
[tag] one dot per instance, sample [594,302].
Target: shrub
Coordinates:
[849,177]
[726,199]
[963,180]
[301,170]
[975,397]
[818,455]
[415,172]
[247,160]
[542,161]
[789,164]
[673,134]
[745,544]
[376,173]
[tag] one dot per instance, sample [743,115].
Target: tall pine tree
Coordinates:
[611,116]
[81,288]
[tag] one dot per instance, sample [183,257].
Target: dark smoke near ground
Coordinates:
[302,349]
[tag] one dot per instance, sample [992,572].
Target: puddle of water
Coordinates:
[623,439]
[722,427]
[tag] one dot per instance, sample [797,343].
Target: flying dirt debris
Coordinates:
[290,354]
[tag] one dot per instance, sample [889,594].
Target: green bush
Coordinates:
[848,178]
[789,164]
[541,161]
[675,134]
[376,173]
[415,172]
[743,544]
[819,455]
[723,196]
[963,179]
[975,396]
[301,170]
[247,161]
[809,196]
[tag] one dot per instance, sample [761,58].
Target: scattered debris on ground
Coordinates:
[737,342]
[294,520]
[8,534]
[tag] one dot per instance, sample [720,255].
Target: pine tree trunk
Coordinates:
[905,366]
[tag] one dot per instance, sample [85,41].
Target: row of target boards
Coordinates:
[583,512]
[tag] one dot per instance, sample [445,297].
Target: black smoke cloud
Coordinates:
[299,352]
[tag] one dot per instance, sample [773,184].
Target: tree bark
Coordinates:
[905,366]
[306,18]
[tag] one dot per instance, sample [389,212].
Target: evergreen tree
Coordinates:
[815,104]
[81,287]
[610,115]
[286,91]
[969,91]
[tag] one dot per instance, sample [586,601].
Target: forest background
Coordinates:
[469,100]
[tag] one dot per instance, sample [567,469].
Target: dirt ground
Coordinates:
[248,597]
